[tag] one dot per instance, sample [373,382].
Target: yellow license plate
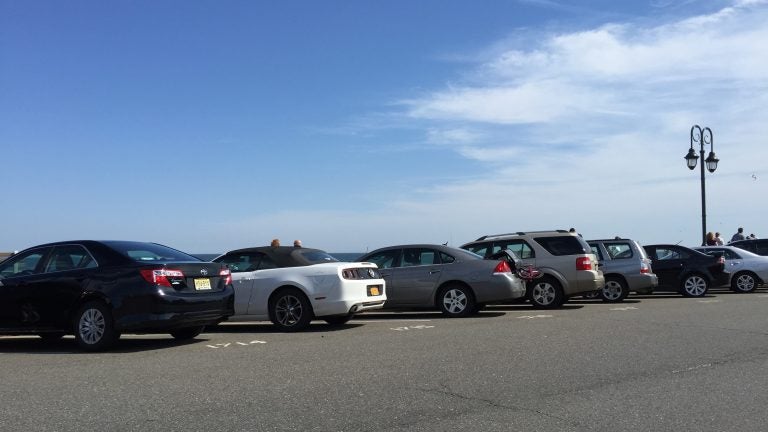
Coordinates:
[202,284]
[374,290]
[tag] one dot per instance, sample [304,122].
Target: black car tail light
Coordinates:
[227,275]
[163,277]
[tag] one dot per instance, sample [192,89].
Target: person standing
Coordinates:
[711,239]
[297,243]
[739,235]
[718,239]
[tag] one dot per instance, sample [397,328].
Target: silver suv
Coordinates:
[568,266]
[626,267]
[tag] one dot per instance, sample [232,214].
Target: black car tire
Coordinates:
[744,282]
[187,333]
[546,293]
[338,320]
[615,290]
[289,310]
[52,336]
[94,327]
[694,285]
[456,301]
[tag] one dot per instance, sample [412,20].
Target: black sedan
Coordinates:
[97,290]
[685,270]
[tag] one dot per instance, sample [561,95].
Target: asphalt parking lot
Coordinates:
[651,363]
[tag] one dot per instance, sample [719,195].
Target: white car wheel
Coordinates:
[456,301]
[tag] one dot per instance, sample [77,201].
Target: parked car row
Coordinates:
[97,290]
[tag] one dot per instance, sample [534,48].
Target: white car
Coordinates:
[747,270]
[291,286]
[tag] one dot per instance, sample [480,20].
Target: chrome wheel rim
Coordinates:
[696,286]
[745,283]
[288,310]
[455,301]
[92,326]
[612,290]
[543,293]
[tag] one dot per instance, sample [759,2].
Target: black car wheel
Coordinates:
[615,290]
[338,320]
[695,285]
[546,293]
[290,310]
[94,328]
[744,282]
[456,301]
[187,333]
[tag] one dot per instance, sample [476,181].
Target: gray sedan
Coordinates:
[455,281]
[747,269]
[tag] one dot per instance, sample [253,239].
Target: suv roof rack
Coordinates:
[520,233]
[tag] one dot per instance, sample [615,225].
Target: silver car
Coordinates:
[457,282]
[626,268]
[748,270]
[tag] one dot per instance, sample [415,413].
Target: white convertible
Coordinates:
[290,286]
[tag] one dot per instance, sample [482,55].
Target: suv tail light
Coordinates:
[162,277]
[502,267]
[644,268]
[583,263]
[227,275]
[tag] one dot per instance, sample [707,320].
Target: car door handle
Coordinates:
[434,271]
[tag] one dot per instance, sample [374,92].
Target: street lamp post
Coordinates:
[702,137]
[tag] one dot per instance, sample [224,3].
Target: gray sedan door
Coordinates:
[415,280]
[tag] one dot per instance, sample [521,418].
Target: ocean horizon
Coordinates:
[341,256]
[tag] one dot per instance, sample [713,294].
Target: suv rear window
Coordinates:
[562,245]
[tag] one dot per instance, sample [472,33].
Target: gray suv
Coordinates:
[626,267]
[568,266]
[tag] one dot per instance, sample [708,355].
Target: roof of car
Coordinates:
[284,256]
[521,233]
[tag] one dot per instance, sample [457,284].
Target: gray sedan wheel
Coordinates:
[546,293]
[456,301]
[695,286]
[744,282]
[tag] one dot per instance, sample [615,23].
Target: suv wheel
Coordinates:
[744,282]
[695,286]
[615,290]
[456,301]
[546,293]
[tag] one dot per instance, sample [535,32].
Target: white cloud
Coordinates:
[585,129]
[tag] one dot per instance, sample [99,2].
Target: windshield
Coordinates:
[149,252]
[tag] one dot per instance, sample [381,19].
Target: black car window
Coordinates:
[149,252]
[761,247]
[670,254]
[418,257]
[446,259]
[69,257]
[22,264]
[267,263]
[317,256]
[562,245]
[519,247]
[239,263]
[619,250]
[385,259]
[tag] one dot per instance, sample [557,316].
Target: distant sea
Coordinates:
[341,256]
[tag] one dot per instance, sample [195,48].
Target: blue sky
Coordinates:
[353,125]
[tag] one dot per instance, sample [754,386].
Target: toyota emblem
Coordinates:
[204,272]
